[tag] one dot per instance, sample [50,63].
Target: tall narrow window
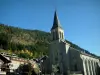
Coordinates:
[53,36]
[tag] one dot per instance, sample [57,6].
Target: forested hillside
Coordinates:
[26,43]
[19,40]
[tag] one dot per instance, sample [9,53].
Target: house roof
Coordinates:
[4,59]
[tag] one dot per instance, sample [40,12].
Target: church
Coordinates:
[67,59]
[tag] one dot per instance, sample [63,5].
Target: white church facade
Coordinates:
[69,61]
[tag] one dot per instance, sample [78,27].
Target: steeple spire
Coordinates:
[56,30]
[56,22]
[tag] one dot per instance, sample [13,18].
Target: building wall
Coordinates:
[59,55]
[15,63]
[71,59]
[76,64]
[90,64]
[64,55]
[45,66]
[54,52]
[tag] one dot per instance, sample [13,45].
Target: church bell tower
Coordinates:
[56,31]
[58,49]
[57,45]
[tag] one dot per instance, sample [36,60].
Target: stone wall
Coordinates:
[90,64]
[76,63]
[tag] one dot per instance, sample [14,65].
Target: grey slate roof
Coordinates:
[56,22]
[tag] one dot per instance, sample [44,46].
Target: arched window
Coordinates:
[55,35]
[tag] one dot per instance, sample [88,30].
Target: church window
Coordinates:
[56,55]
[53,35]
[75,66]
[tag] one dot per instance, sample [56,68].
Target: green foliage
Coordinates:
[24,55]
[17,39]
[4,40]
[26,69]
[37,42]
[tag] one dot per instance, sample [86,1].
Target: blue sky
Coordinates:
[80,19]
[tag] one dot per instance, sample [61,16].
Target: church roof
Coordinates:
[56,22]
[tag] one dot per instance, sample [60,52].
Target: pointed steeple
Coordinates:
[56,30]
[56,22]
